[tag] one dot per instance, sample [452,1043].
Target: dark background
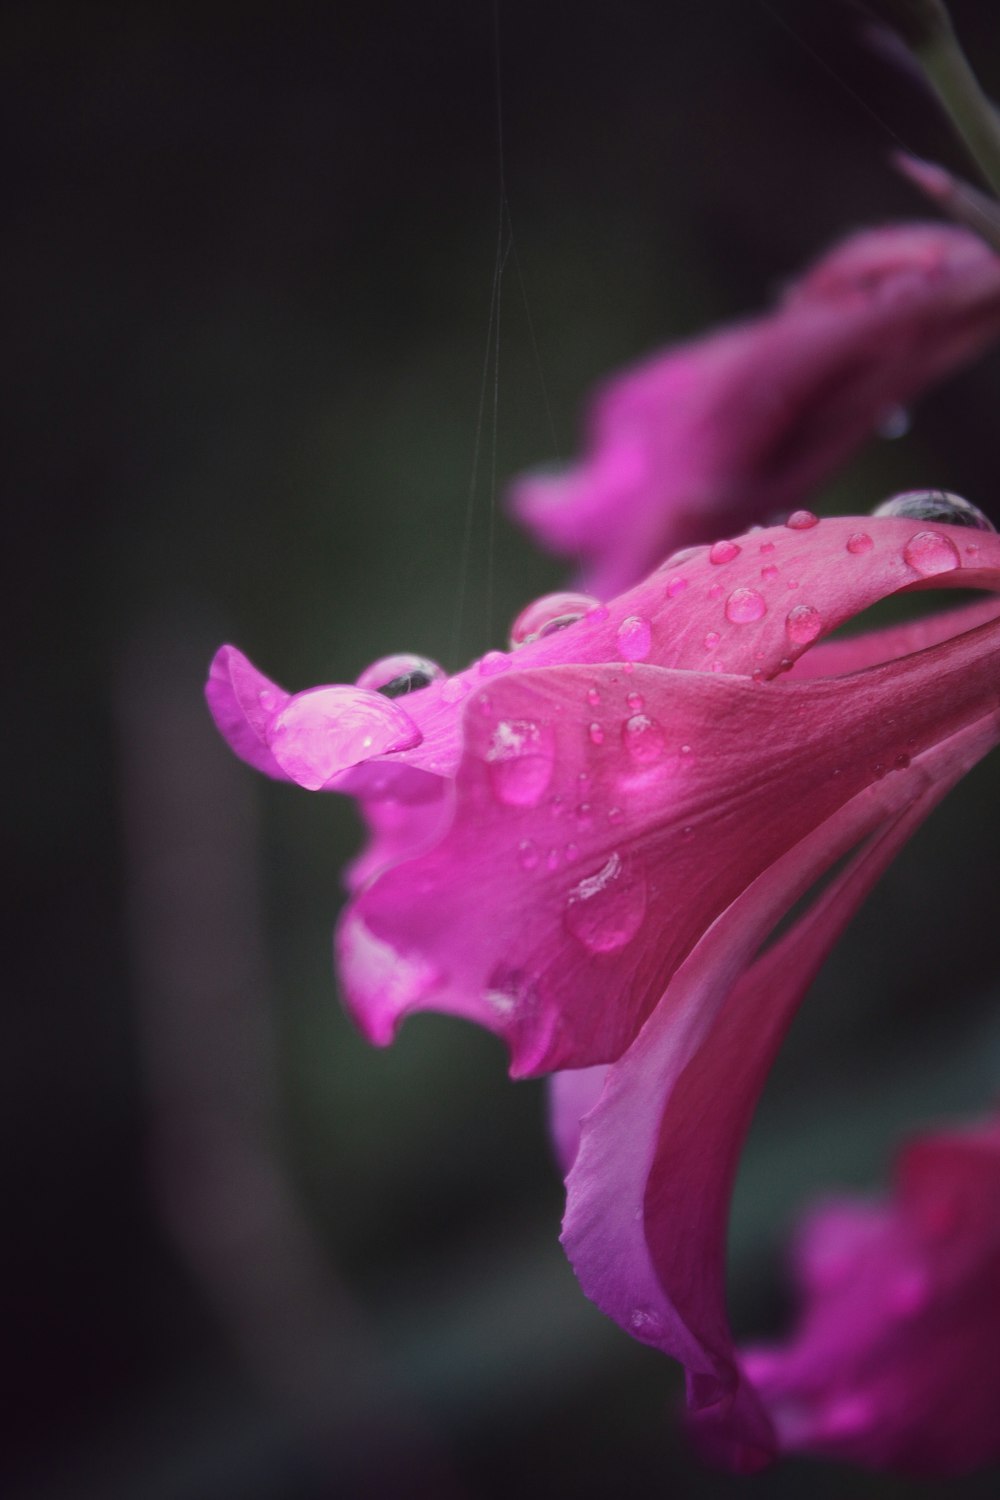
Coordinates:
[246,268]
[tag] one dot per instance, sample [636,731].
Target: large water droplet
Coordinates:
[929,553]
[643,738]
[394,676]
[935,505]
[551,613]
[635,638]
[802,520]
[859,542]
[326,730]
[520,756]
[605,911]
[723,552]
[803,624]
[744,606]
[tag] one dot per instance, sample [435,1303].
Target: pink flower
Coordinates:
[893,1363]
[745,423]
[584,843]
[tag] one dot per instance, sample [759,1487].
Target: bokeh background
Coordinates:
[247,267]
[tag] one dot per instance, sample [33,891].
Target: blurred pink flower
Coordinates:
[584,843]
[893,1363]
[740,425]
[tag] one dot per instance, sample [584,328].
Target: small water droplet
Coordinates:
[803,624]
[549,614]
[766,547]
[615,815]
[769,571]
[596,732]
[643,738]
[527,854]
[676,586]
[635,702]
[571,853]
[605,910]
[635,638]
[935,505]
[493,663]
[929,553]
[520,757]
[687,832]
[715,591]
[685,749]
[858,542]
[454,690]
[893,423]
[712,639]
[266,699]
[646,1324]
[394,676]
[802,520]
[593,697]
[552,859]
[723,552]
[745,605]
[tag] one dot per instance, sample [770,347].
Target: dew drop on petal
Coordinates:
[643,739]
[635,638]
[520,757]
[803,624]
[454,690]
[596,732]
[326,730]
[676,586]
[715,591]
[768,571]
[527,854]
[635,702]
[266,699]
[858,542]
[935,505]
[723,552]
[593,697]
[492,663]
[745,605]
[712,639]
[766,547]
[571,853]
[929,553]
[646,1324]
[802,520]
[394,676]
[615,815]
[605,910]
[551,613]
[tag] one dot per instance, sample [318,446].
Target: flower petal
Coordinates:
[731,428]
[243,702]
[585,860]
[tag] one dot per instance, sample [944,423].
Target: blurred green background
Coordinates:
[247,266]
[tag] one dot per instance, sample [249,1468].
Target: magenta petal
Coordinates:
[319,734]
[649,1190]
[730,428]
[585,859]
[243,703]
[894,1360]
[572,1094]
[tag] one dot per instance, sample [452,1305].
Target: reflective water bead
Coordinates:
[635,702]
[520,757]
[858,542]
[676,586]
[266,699]
[593,696]
[715,592]
[492,663]
[393,676]
[935,505]
[712,639]
[894,422]
[766,547]
[605,911]
[803,624]
[802,520]
[745,605]
[527,854]
[723,552]
[643,738]
[596,732]
[635,638]
[768,571]
[929,553]
[550,613]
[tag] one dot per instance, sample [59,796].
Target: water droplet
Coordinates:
[643,738]
[492,663]
[394,676]
[723,552]
[571,853]
[527,854]
[687,832]
[549,614]
[894,422]
[615,815]
[803,624]
[635,638]
[676,586]
[929,553]
[715,591]
[685,749]
[605,911]
[802,520]
[635,702]
[266,699]
[520,757]
[327,730]
[935,505]
[769,571]
[552,859]
[454,690]
[858,542]
[596,732]
[593,697]
[584,812]
[646,1324]
[766,547]
[712,639]
[745,605]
